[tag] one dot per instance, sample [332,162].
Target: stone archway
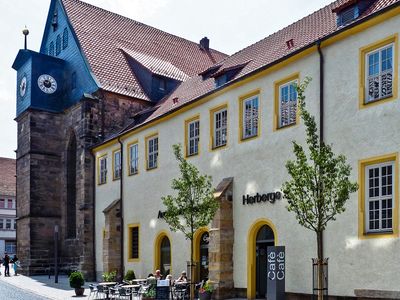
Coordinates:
[112,238]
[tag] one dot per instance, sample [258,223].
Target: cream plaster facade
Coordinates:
[258,165]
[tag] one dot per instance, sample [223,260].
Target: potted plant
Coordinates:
[130,275]
[76,281]
[205,291]
[109,276]
[150,294]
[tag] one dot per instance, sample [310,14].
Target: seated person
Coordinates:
[158,274]
[182,278]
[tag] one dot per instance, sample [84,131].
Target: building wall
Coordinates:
[257,165]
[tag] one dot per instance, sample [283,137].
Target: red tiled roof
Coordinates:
[7,177]
[304,32]
[102,35]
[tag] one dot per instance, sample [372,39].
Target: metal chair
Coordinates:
[124,293]
[93,290]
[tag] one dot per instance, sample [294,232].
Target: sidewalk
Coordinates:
[43,286]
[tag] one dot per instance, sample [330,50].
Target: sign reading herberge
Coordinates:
[276,272]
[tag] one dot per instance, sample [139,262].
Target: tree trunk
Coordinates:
[320,266]
[192,285]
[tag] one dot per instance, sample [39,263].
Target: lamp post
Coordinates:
[55,253]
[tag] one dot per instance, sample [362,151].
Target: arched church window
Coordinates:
[65,38]
[71,187]
[51,49]
[58,45]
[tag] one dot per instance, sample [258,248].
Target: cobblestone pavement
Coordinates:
[11,292]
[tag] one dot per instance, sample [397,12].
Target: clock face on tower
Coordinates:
[22,86]
[47,83]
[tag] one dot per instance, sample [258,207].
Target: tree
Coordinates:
[319,185]
[194,206]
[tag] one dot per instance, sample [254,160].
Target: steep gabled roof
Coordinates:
[7,176]
[102,34]
[304,33]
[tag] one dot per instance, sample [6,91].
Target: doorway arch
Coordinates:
[254,231]
[162,253]
[200,253]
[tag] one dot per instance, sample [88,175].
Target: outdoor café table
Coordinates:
[131,286]
[107,284]
[139,281]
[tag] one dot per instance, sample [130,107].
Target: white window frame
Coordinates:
[193,137]
[103,170]
[133,159]
[152,153]
[291,120]
[380,198]
[380,74]
[220,137]
[250,119]
[117,165]
[8,224]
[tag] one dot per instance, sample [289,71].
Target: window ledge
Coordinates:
[381,294]
[218,147]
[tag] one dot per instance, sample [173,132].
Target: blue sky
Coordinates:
[229,24]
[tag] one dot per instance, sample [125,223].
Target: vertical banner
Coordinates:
[276,272]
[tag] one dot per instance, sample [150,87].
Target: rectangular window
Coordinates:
[14,224]
[133,159]
[220,127]
[10,247]
[1,223]
[8,224]
[133,242]
[379,181]
[103,170]
[2,203]
[117,165]
[152,152]
[10,204]
[287,104]
[192,137]
[379,73]
[249,117]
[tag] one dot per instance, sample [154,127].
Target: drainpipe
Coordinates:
[121,207]
[321,112]
[321,93]
[94,211]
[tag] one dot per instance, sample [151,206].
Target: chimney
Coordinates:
[205,43]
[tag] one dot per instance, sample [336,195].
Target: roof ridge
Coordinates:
[282,29]
[139,23]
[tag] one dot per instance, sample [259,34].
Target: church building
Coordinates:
[94,73]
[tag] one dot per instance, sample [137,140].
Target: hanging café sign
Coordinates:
[259,198]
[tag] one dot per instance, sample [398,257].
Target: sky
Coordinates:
[230,25]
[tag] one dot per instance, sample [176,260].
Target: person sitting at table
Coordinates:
[182,278]
[158,275]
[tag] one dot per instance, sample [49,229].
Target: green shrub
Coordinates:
[130,275]
[76,280]
[109,276]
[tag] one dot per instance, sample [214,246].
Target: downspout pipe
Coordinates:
[94,211]
[321,92]
[121,208]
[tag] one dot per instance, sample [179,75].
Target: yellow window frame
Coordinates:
[146,139]
[113,163]
[242,99]
[130,254]
[187,122]
[212,127]
[362,164]
[128,151]
[277,84]
[392,39]
[99,158]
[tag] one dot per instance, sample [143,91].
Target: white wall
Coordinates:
[257,165]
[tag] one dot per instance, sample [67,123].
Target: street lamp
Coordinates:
[55,253]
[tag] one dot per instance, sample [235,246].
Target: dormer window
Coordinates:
[220,80]
[226,74]
[347,15]
[162,85]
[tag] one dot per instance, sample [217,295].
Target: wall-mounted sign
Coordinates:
[276,272]
[160,214]
[259,198]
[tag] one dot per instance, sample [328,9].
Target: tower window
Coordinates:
[51,49]
[58,45]
[65,38]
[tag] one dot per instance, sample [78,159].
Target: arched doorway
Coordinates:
[261,235]
[165,256]
[201,241]
[265,238]
[162,258]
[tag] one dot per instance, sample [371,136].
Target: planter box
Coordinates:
[205,296]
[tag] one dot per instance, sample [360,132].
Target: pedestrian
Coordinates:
[15,261]
[6,265]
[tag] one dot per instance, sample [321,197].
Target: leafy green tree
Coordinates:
[194,206]
[319,185]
